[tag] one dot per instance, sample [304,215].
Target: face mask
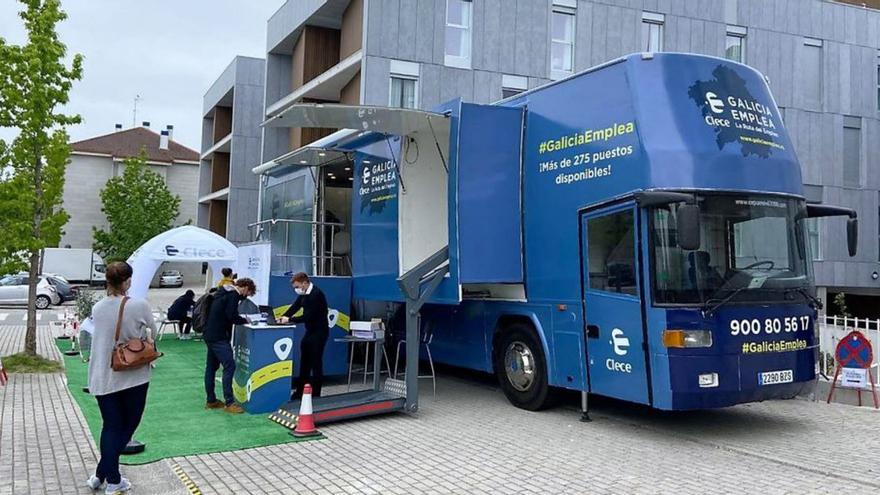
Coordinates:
[299,291]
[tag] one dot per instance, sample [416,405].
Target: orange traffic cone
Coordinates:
[305,426]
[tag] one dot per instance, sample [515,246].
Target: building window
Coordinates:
[810,72]
[878,81]
[513,85]
[735,44]
[852,151]
[652,31]
[562,40]
[403,92]
[813,234]
[404,89]
[458,33]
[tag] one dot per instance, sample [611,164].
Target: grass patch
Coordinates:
[175,422]
[22,363]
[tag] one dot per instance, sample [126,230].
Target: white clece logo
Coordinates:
[619,341]
[715,103]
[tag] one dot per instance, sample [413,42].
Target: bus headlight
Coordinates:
[687,338]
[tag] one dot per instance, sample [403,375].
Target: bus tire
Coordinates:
[521,367]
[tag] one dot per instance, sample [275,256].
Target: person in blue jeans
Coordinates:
[222,315]
[121,395]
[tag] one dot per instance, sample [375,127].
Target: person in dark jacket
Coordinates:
[311,350]
[218,335]
[179,311]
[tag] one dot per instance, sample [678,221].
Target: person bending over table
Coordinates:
[218,337]
[314,315]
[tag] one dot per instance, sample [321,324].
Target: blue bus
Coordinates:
[635,231]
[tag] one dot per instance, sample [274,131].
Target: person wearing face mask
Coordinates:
[218,336]
[314,315]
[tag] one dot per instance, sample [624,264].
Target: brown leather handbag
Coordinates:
[134,353]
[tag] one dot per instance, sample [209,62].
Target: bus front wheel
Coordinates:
[521,368]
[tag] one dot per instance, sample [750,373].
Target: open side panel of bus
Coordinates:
[419,145]
[458,183]
[488,174]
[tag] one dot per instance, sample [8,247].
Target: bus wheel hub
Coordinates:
[519,363]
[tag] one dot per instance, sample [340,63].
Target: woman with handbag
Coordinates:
[119,371]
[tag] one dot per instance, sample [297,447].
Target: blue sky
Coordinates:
[168,52]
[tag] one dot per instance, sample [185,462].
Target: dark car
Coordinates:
[63,288]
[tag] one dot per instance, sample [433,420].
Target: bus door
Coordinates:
[614,323]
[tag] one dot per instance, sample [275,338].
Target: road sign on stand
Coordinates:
[854,356]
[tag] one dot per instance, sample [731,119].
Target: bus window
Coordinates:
[611,251]
[748,244]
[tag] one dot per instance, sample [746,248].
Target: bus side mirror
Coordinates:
[852,235]
[688,227]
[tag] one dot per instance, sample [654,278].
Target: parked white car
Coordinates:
[171,278]
[14,290]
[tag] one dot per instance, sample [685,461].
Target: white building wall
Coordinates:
[183,180]
[84,178]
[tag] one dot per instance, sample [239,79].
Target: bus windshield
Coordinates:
[755,246]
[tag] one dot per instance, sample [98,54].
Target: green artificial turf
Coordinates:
[176,422]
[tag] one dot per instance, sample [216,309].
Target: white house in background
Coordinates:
[94,161]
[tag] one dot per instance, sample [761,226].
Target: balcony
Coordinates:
[327,86]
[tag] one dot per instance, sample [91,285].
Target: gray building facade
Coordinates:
[822,59]
[231,117]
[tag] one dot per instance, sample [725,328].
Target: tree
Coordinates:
[34,83]
[138,206]
[840,302]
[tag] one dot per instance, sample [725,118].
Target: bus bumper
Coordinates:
[738,378]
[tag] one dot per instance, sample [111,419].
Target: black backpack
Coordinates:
[200,312]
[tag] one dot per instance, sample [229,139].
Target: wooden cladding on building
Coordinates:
[217,217]
[316,51]
[352,32]
[219,171]
[351,93]
[871,4]
[222,122]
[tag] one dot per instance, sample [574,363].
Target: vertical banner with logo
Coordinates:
[254,262]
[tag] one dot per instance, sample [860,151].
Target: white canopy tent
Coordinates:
[182,244]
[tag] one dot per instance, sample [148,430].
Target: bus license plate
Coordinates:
[775,377]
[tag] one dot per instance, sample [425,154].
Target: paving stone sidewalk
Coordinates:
[45,444]
[470,440]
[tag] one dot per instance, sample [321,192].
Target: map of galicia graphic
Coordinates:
[728,82]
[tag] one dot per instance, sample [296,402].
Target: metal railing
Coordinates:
[832,329]
[322,262]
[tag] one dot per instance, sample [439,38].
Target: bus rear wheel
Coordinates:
[521,368]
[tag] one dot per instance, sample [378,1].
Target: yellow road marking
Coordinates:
[264,375]
[186,480]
